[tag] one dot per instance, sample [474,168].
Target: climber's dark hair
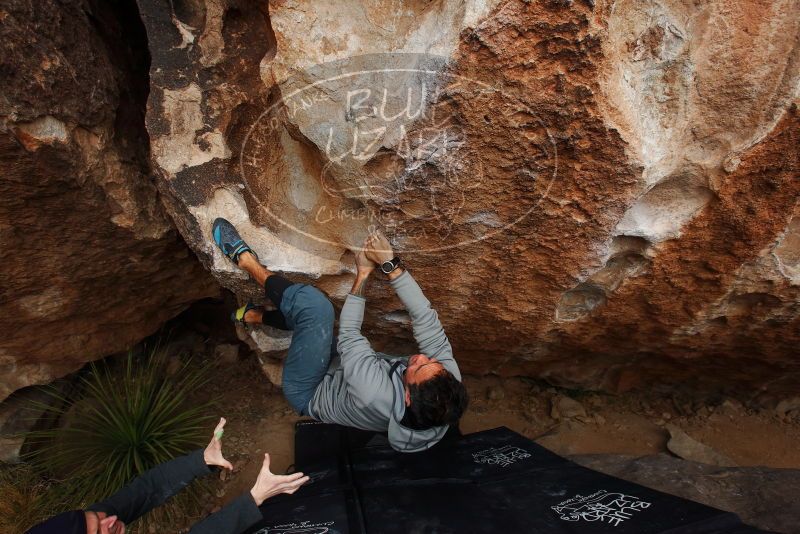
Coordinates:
[440,400]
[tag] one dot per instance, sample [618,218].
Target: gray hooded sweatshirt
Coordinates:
[358,390]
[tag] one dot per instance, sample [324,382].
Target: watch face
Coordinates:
[387,266]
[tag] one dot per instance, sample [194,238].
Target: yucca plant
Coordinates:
[126,419]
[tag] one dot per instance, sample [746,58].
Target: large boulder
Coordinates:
[603,194]
[90,263]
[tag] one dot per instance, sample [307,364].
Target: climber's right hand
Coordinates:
[377,248]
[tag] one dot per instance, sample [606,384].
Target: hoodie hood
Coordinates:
[402,438]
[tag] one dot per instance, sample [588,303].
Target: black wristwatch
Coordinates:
[391,265]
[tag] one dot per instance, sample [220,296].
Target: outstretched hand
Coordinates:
[268,484]
[213,453]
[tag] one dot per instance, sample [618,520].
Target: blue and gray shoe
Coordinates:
[229,241]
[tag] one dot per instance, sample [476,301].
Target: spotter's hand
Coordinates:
[111,525]
[213,453]
[268,484]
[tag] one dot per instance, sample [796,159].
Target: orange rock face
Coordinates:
[89,262]
[602,194]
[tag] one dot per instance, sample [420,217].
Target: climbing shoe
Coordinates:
[229,241]
[238,315]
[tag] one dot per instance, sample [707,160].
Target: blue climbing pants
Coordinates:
[309,314]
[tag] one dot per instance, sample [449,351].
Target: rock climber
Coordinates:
[413,399]
[155,486]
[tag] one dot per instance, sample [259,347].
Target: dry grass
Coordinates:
[25,499]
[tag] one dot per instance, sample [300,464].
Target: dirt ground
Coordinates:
[568,422]
[260,420]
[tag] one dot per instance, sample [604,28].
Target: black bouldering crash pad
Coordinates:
[491,481]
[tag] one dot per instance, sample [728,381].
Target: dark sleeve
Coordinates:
[237,516]
[153,488]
